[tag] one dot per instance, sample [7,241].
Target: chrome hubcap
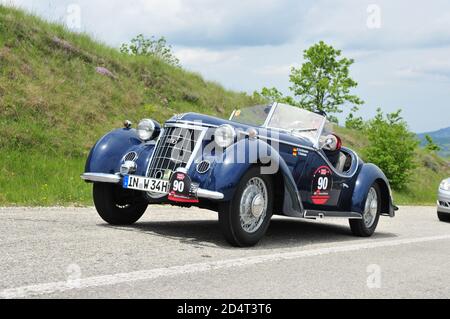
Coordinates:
[257,205]
[253,205]
[371,208]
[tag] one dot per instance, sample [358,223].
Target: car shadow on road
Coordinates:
[282,233]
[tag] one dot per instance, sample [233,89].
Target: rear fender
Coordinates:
[368,175]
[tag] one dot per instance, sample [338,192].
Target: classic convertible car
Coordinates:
[264,160]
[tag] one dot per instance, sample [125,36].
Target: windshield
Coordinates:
[298,121]
[295,120]
[254,115]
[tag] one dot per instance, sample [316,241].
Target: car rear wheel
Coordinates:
[118,206]
[444,217]
[366,226]
[245,219]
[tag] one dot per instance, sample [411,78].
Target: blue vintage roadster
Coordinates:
[264,160]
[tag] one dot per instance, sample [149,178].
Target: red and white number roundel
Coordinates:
[322,184]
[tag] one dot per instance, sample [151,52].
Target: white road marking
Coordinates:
[107,280]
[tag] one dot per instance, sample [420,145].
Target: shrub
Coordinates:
[392,147]
[354,122]
[151,46]
[431,146]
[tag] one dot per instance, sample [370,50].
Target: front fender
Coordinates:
[105,156]
[237,159]
[368,175]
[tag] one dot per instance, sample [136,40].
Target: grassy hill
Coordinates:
[54,104]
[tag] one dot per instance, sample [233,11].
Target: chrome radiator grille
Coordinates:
[173,150]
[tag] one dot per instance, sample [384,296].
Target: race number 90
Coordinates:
[178,186]
[322,181]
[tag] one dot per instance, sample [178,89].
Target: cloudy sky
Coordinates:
[401,48]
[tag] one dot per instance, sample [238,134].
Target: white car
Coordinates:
[443,203]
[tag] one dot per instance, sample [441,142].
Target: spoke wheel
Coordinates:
[244,220]
[253,206]
[366,226]
[371,208]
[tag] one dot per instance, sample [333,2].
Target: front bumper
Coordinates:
[443,202]
[117,178]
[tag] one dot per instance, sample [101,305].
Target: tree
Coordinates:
[151,47]
[322,83]
[273,95]
[392,147]
[431,146]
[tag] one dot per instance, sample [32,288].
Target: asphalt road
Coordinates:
[180,253]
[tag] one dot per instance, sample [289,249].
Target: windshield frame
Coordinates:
[274,106]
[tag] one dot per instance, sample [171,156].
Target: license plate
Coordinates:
[146,184]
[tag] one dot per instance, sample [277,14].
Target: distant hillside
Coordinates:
[441,138]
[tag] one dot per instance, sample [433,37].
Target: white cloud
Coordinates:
[195,56]
[276,70]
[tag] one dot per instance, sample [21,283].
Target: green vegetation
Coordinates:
[322,83]
[440,138]
[391,147]
[61,91]
[429,171]
[159,48]
[431,146]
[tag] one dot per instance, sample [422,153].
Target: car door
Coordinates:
[320,185]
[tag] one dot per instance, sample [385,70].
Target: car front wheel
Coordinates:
[118,206]
[366,226]
[245,219]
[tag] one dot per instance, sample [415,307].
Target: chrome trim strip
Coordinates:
[327,161]
[197,147]
[331,214]
[232,114]
[287,143]
[270,115]
[356,158]
[204,193]
[101,177]
[154,150]
[195,125]
[319,132]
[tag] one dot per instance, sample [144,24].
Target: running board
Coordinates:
[314,214]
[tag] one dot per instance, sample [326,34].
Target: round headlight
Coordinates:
[146,129]
[224,135]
